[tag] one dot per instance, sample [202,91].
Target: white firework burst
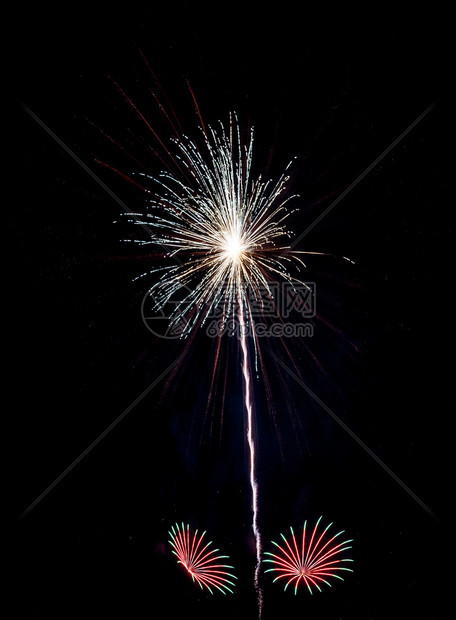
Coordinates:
[224,229]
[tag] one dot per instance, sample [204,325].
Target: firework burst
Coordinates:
[316,559]
[222,228]
[199,560]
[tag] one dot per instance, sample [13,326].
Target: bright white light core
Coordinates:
[233,247]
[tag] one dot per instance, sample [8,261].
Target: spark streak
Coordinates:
[251,442]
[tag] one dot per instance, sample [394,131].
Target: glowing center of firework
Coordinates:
[233,247]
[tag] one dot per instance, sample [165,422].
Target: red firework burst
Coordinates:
[202,563]
[317,558]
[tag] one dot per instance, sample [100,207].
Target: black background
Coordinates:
[334,90]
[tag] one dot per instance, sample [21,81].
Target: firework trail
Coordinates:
[251,442]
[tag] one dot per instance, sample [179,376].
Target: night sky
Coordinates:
[334,91]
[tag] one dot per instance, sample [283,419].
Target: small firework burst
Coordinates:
[203,564]
[316,560]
